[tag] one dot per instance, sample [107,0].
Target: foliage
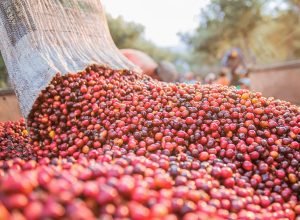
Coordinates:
[131,35]
[269,37]
[124,33]
[224,24]
[3,74]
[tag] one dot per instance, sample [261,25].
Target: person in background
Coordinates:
[245,82]
[162,71]
[223,78]
[234,61]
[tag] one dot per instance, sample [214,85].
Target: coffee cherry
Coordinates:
[114,144]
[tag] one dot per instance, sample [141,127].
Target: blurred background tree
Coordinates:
[3,74]
[222,25]
[267,31]
[131,35]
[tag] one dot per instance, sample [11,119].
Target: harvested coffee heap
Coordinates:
[111,144]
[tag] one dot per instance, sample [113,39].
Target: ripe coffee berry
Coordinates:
[108,144]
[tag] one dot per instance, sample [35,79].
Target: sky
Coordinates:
[162,19]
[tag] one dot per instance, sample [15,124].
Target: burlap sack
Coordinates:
[39,38]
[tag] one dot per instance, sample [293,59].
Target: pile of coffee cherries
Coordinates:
[115,144]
